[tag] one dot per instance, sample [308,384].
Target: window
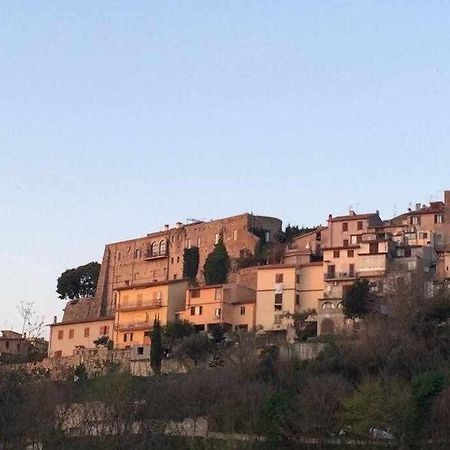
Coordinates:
[195,293]
[438,218]
[414,220]
[163,247]
[217,312]
[104,330]
[234,235]
[192,310]
[297,278]
[131,337]
[351,270]
[125,337]
[360,225]
[178,259]
[57,354]
[350,253]
[175,276]
[242,310]
[140,350]
[86,332]
[373,248]
[331,271]
[267,236]
[344,226]
[60,334]
[353,239]
[278,302]
[278,278]
[216,238]
[336,254]
[71,333]
[119,256]
[154,249]
[188,243]
[171,260]
[345,243]
[297,299]
[138,253]
[340,305]
[358,239]
[7,345]
[197,310]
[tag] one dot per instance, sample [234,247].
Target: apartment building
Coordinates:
[67,337]
[137,307]
[229,305]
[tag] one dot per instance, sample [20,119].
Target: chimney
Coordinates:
[166,227]
[54,319]
[418,205]
[179,224]
[330,216]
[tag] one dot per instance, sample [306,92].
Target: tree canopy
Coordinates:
[156,349]
[79,282]
[217,264]
[358,300]
[190,263]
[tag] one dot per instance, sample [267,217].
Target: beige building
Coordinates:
[66,337]
[137,308]
[229,305]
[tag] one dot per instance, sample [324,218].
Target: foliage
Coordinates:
[79,282]
[196,347]
[305,328]
[191,259]
[217,264]
[156,349]
[293,231]
[104,341]
[358,300]
[218,333]
[177,329]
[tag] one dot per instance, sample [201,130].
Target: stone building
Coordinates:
[158,256]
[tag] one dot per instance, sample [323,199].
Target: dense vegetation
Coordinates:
[217,264]
[388,385]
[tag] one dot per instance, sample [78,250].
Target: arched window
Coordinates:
[328,305]
[162,247]
[154,249]
[327,326]
[339,305]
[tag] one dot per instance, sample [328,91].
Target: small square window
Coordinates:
[140,350]
[345,243]
[86,332]
[344,226]
[350,253]
[242,310]
[360,225]
[195,293]
[278,278]
[60,334]
[336,254]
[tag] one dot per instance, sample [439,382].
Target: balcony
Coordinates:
[133,306]
[150,255]
[335,276]
[135,325]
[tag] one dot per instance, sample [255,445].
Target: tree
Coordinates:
[79,282]
[156,349]
[217,264]
[191,258]
[358,300]
[32,325]
[196,347]
[104,341]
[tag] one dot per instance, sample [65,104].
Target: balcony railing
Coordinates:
[149,304]
[135,325]
[154,255]
[340,275]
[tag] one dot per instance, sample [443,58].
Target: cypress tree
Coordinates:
[217,264]
[156,349]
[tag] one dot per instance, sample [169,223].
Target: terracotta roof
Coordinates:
[353,217]
[73,322]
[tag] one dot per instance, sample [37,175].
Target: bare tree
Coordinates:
[32,325]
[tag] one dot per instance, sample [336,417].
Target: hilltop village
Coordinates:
[142,279]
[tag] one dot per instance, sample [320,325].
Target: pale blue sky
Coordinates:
[118,117]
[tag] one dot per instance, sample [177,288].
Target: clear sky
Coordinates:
[119,116]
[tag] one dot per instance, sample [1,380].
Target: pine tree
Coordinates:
[190,263]
[217,264]
[156,349]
